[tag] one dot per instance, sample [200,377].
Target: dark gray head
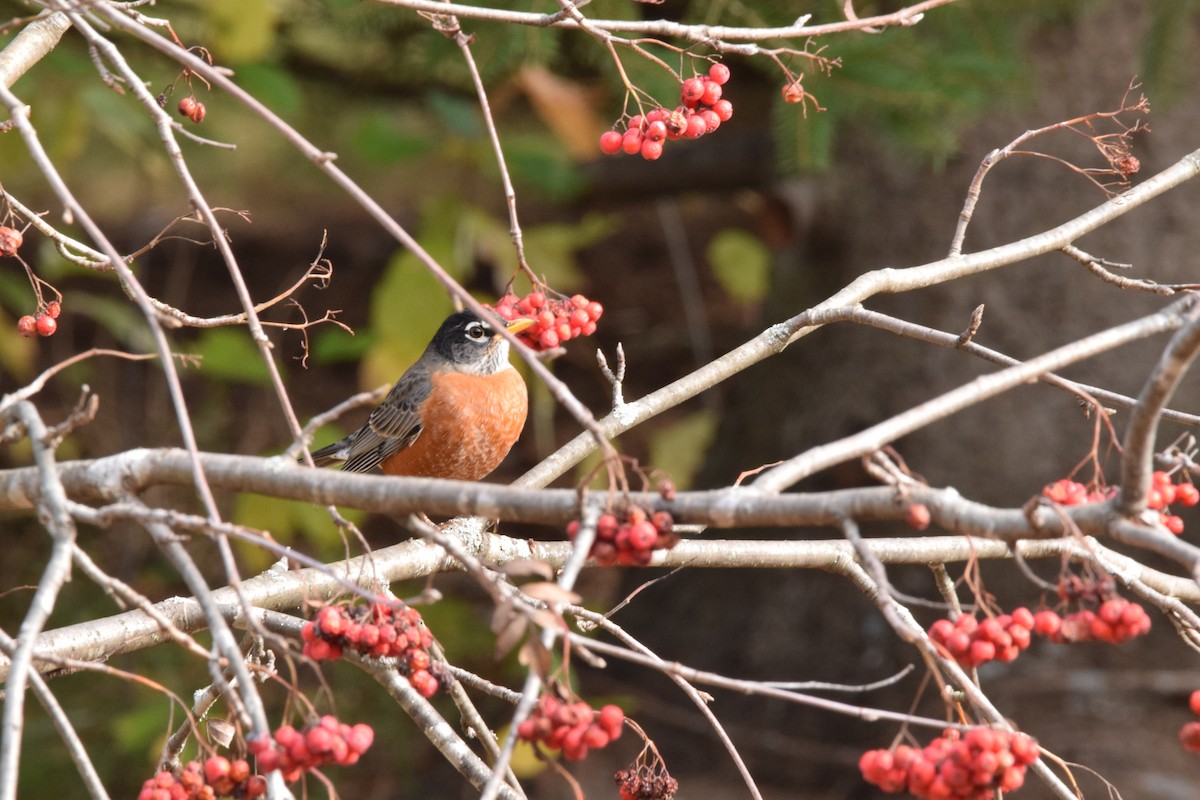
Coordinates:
[469,344]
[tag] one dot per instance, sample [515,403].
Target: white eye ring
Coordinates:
[476,332]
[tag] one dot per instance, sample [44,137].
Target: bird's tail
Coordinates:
[330,454]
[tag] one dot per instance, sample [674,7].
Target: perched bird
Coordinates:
[455,413]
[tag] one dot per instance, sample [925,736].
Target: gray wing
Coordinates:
[393,425]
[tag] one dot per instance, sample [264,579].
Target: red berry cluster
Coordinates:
[1189,734]
[1072,493]
[10,240]
[632,541]
[971,643]
[555,321]
[573,728]
[380,631]
[701,111]
[1163,492]
[219,777]
[645,783]
[954,766]
[193,109]
[1117,620]
[295,752]
[45,323]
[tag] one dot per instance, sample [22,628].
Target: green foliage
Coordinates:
[286,521]
[742,263]
[1169,50]
[382,138]
[241,30]
[228,354]
[679,448]
[917,88]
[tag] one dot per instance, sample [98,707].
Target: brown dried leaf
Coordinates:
[527,567]
[550,593]
[566,108]
[220,732]
[509,628]
[536,657]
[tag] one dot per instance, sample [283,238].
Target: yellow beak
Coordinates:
[519,324]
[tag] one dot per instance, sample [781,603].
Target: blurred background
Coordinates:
[690,255]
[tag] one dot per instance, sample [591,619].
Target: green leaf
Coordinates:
[287,521]
[241,30]
[381,140]
[459,115]
[17,353]
[274,87]
[332,345]
[742,264]
[679,449]
[228,354]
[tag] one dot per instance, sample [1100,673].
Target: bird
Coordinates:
[455,413]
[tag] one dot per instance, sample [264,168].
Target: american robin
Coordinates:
[454,414]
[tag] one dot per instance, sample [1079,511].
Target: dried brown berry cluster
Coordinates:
[631,542]
[380,631]
[573,728]
[217,778]
[295,752]
[193,109]
[645,783]
[11,240]
[954,766]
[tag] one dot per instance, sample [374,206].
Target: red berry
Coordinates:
[215,768]
[360,738]
[723,109]
[187,105]
[10,240]
[239,770]
[712,93]
[656,131]
[1194,702]
[711,120]
[642,535]
[917,516]
[1187,494]
[27,326]
[46,325]
[54,308]
[651,150]
[1189,736]
[718,74]
[612,720]
[610,142]
[631,142]
[198,112]
[691,91]
[696,127]
[1171,522]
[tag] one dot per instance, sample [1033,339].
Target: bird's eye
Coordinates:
[476,332]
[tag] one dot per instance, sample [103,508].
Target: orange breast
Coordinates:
[469,423]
